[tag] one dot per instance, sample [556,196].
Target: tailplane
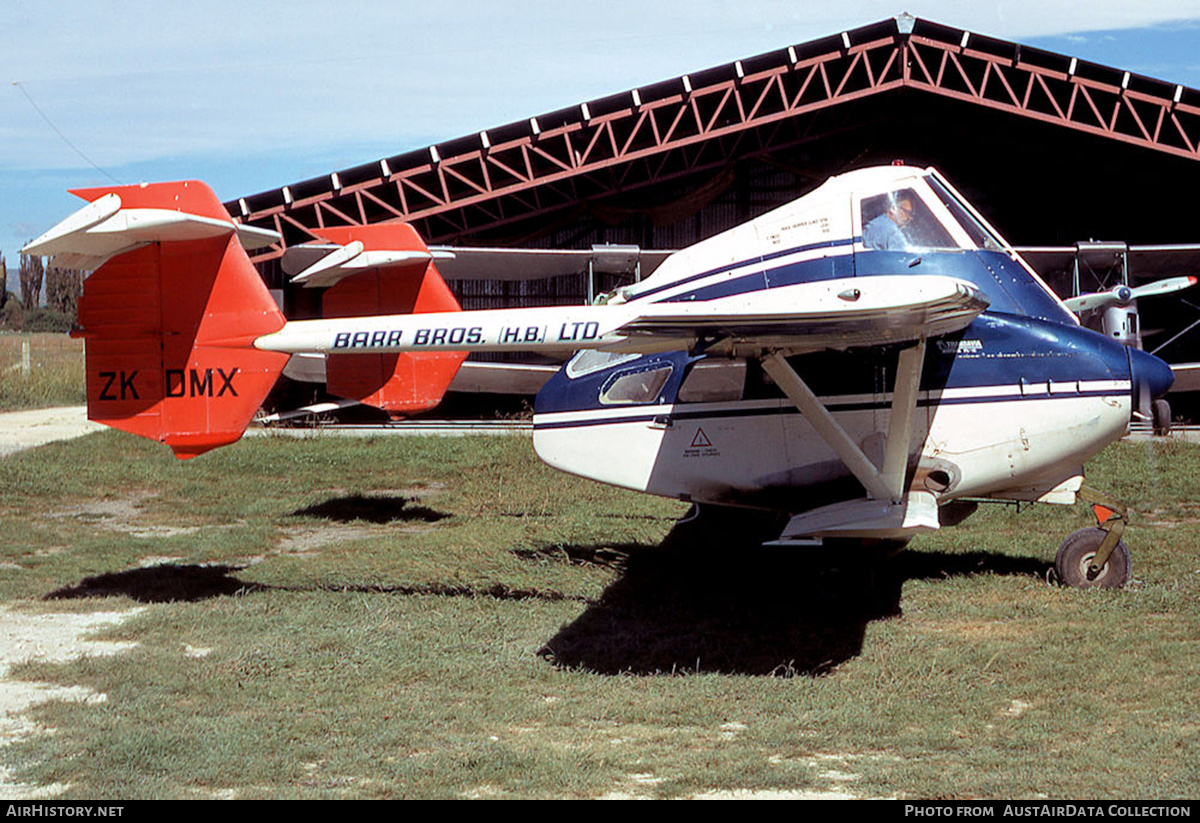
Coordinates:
[170,313]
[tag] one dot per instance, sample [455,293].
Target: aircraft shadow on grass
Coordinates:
[166,583]
[709,598]
[371,508]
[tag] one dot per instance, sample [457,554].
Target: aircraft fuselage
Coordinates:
[1011,404]
[1009,407]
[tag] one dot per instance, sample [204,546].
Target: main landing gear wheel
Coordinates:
[1160,414]
[1074,559]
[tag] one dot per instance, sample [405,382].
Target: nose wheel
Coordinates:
[1075,565]
[1096,557]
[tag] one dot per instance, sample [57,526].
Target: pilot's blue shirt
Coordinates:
[883,233]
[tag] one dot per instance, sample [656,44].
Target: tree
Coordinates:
[3,285]
[63,287]
[32,271]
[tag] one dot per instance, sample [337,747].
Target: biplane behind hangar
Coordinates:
[872,359]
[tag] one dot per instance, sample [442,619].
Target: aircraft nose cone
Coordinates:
[1150,376]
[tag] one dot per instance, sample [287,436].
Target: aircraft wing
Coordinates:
[1187,377]
[321,265]
[839,313]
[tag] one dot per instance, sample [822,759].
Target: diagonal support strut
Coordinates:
[885,484]
[900,425]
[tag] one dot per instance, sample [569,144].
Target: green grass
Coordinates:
[420,617]
[55,376]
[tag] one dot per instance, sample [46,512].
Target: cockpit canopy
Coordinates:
[907,218]
[886,220]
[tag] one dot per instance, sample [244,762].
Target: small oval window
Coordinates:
[635,387]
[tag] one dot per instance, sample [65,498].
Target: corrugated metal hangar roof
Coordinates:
[1028,133]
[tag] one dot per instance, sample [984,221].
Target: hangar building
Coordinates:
[1055,151]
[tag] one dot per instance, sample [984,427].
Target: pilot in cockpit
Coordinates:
[887,230]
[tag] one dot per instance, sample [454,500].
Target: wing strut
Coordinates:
[900,426]
[888,483]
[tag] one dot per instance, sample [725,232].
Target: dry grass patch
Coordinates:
[978,630]
[55,376]
[137,513]
[1183,513]
[308,541]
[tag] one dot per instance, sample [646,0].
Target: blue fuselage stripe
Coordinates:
[827,244]
[832,405]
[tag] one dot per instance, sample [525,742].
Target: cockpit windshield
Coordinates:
[908,219]
[936,232]
[978,232]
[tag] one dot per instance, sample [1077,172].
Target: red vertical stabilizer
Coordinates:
[170,328]
[400,384]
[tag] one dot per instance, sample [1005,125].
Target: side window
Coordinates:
[593,360]
[635,387]
[713,381]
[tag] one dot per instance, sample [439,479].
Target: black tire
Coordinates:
[1160,413]
[1076,553]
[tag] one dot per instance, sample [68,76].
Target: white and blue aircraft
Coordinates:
[872,359]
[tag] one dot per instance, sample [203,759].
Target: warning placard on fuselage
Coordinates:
[701,446]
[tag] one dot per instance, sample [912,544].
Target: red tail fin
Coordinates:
[170,328]
[400,384]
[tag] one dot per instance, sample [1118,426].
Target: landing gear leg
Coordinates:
[1096,557]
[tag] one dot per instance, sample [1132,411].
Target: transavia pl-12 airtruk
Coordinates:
[872,359]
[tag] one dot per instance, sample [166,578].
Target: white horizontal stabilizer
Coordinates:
[352,259]
[103,229]
[322,266]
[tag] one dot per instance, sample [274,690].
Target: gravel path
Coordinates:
[26,429]
[44,637]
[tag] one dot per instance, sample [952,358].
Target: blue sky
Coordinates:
[252,96]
